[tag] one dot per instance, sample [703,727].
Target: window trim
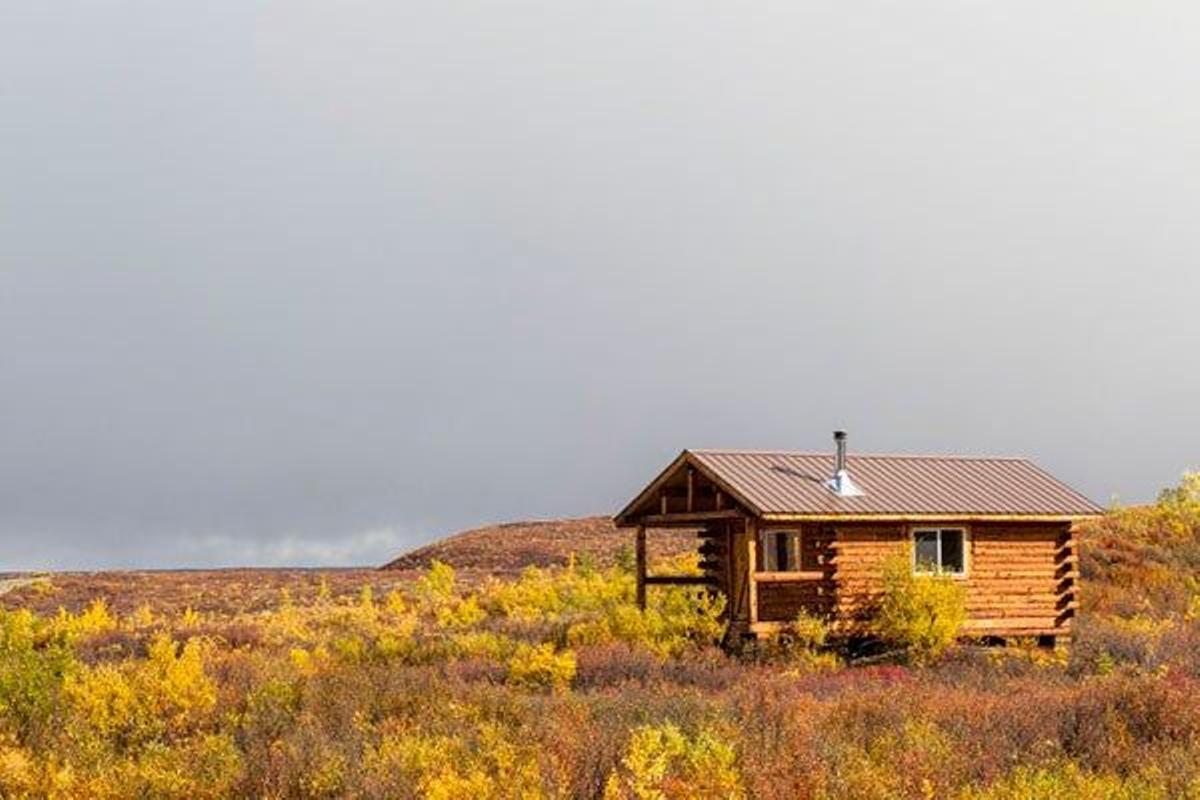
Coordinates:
[913,530]
[795,551]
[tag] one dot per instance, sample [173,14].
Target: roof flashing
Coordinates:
[841,485]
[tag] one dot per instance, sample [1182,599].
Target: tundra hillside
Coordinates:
[551,683]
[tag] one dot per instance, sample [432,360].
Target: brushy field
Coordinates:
[553,684]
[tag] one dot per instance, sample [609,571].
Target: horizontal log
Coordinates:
[997,601]
[686,517]
[1039,548]
[1013,612]
[790,577]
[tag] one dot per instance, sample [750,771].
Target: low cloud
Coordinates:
[365,548]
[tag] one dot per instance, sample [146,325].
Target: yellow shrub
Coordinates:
[922,613]
[809,631]
[1068,782]
[541,666]
[18,771]
[437,583]
[366,603]
[23,774]
[168,693]
[590,632]
[395,604]
[326,777]
[96,619]
[661,763]
[308,662]
[143,617]
[483,644]
[397,642]
[461,614]
[483,767]
[42,585]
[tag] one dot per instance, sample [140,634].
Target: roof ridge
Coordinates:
[854,455]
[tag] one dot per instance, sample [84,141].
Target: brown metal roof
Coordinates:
[789,483]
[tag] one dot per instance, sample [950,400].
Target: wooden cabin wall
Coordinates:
[1021,580]
[782,602]
[1020,576]
[860,552]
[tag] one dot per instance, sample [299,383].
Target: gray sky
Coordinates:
[310,282]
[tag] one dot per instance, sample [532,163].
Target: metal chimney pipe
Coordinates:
[839,438]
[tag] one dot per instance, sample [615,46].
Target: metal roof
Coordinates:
[790,483]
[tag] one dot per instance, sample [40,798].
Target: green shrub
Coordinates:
[921,613]
[31,674]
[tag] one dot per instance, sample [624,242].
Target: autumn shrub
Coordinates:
[1113,722]
[1066,781]
[614,664]
[167,694]
[540,665]
[33,666]
[663,763]
[555,684]
[487,763]
[1103,643]
[1178,649]
[1144,559]
[921,613]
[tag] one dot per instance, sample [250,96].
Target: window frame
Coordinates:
[795,551]
[965,530]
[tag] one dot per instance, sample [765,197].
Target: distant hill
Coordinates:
[508,548]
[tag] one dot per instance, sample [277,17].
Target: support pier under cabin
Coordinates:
[785,532]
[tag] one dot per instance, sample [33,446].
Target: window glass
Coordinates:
[781,552]
[926,544]
[952,551]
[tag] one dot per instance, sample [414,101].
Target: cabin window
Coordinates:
[940,550]
[781,551]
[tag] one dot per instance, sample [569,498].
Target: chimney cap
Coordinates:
[839,435]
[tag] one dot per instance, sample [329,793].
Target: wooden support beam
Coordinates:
[684,518]
[691,490]
[719,500]
[640,552]
[662,502]
[752,570]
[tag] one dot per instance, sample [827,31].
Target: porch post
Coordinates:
[752,568]
[640,551]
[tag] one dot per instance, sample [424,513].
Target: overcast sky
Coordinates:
[309,283]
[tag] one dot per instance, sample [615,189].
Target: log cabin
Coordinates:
[785,532]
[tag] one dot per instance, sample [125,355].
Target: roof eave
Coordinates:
[623,518]
[924,517]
